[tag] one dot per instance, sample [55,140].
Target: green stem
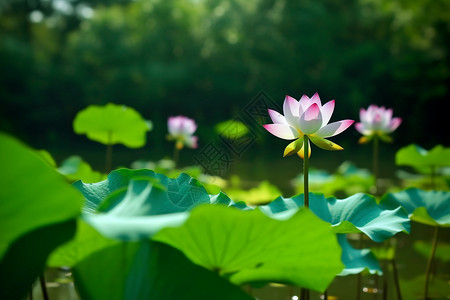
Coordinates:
[359,275]
[358,286]
[305,292]
[43,287]
[430,261]
[305,170]
[396,281]
[376,145]
[176,155]
[250,290]
[433,177]
[108,156]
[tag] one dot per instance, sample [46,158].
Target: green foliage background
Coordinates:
[207,59]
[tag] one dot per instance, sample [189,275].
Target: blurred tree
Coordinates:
[208,58]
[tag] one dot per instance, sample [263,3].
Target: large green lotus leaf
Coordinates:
[427,207]
[356,213]
[36,209]
[95,193]
[135,204]
[442,251]
[112,124]
[182,192]
[262,194]
[33,194]
[231,129]
[86,241]
[25,258]
[249,247]
[357,260]
[415,156]
[75,168]
[413,288]
[149,270]
[47,157]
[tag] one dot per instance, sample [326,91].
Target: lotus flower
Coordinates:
[376,121]
[181,130]
[306,117]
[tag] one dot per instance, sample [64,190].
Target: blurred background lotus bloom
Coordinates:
[376,121]
[181,130]
[306,117]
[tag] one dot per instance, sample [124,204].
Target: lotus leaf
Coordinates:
[134,204]
[232,129]
[419,158]
[427,207]
[75,168]
[442,252]
[262,194]
[112,124]
[357,213]
[357,260]
[149,270]
[37,211]
[248,246]
[87,240]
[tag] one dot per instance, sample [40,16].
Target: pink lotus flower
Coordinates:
[181,130]
[306,117]
[376,121]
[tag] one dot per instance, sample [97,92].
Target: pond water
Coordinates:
[253,168]
[409,262]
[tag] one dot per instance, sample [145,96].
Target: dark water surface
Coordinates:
[253,167]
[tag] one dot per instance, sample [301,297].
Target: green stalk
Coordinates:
[376,145]
[176,154]
[305,170]
[43,287]
[358,285]
[396,280]
[250,290]
[430,261]
[433,177]
[306,185]
[108,156]
[304,292]
[359,275]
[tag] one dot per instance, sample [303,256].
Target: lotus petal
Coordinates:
[276,117]
[282,131]
[334,128]
[311,120]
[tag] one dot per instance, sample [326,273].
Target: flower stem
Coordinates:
[376,145]
[305,292]
[430,261]
[433,177]
[396,280]
[176,155]
[108,156]
[43,287]
[305,171]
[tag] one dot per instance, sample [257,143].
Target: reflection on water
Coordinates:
[59,285]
